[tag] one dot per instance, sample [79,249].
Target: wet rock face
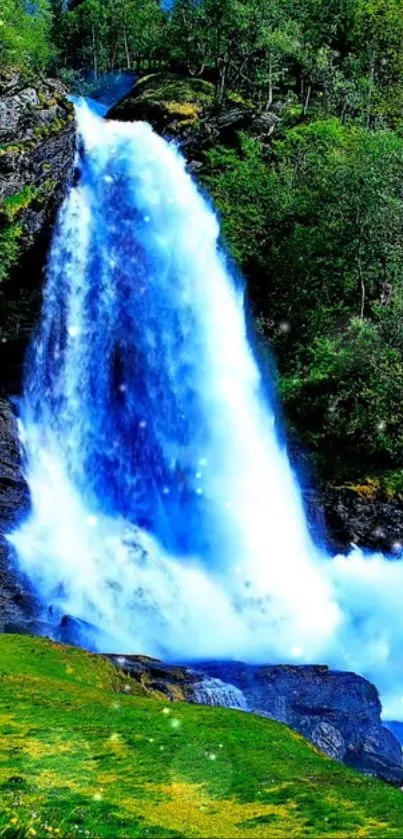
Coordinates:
[36,159]
[328,739]
[17,603]
[36,129]
[343,518]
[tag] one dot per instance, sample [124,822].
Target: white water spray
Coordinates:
[164,509]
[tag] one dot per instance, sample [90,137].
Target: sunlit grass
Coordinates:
[82,757]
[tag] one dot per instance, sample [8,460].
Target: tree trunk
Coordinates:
[371,86]
[360,268]
[94,52]
[307,100]
[222,69]
[343,111]
[362,308]
[127,51]
[270,99]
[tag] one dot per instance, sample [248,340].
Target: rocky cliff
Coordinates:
[36,158]
[340,713]
[17,604]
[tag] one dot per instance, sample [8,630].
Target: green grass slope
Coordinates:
[83,753]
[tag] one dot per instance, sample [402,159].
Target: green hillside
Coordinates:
[82,753]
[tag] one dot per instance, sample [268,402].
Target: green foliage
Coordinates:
[10,248]
[317,224]
[348,398]
[25,34]
[243,187]
[330,57]
[82,756]
[344,58]
[378,33]
[13,204]
[108,35]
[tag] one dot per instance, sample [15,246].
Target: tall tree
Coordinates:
[25,34]
[378,32]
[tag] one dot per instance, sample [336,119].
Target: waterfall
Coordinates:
[217,693]
[164,510]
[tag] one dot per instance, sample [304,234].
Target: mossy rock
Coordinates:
[171,103]
[36,158]
[14,233]
[17,202]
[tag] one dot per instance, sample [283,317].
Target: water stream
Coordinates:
[164,509]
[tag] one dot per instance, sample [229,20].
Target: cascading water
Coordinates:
[214,692]
[164,510]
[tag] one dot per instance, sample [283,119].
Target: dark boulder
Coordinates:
[356,516]
[172,104]
[378,754]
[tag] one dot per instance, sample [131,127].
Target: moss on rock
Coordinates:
[36,158]
[10,248]
[18,201]
[14,233]
[171,103]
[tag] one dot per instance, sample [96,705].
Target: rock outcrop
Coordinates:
[36,159]
[183,109]
[346,516]
[340,713]
[17,603]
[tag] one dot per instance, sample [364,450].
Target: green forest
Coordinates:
[312,211]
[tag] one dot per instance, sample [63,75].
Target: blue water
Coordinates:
[164,509]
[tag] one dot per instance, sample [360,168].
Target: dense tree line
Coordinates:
[314,214]
[25,35]
[343,57]
[317,223]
